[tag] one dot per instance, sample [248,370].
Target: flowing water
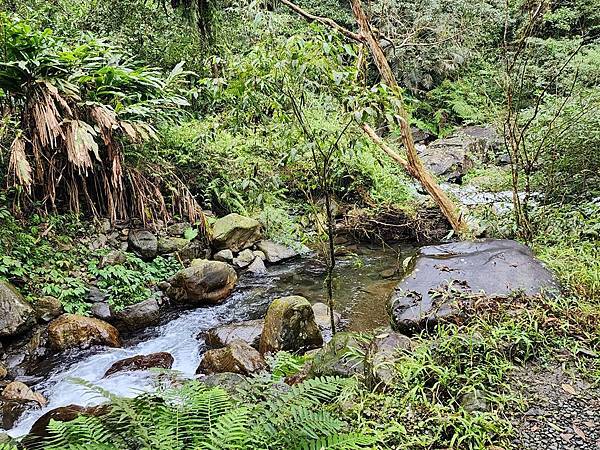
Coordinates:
[361,294]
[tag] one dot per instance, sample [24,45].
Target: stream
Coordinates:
[361,294]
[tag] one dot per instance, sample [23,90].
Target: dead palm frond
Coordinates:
[78,111]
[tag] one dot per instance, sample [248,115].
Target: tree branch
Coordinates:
[323,20]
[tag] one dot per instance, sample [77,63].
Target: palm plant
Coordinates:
[77,110]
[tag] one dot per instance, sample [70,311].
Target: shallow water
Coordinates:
[360,295]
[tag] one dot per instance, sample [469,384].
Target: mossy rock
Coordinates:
[343,356]
[16,315]
[290,325]
[235,232]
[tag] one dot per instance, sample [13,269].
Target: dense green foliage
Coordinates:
[165,118]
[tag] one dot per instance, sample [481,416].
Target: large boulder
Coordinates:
[237,357]
[275,252]
[139,315]
[381,358]
[71,330]
[490,267]
[162,360]
[235,232]
[342,356]
[248,331]
[16,315]
[323,319]
[18,391]
[204,281]
[290,325]
[143,243]
[168,244]
[64,414]
[450,158]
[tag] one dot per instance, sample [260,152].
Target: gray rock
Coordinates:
[203,282]
[490,267]
[160,360]
[290,325]
[260,254]
[143,243]
[16,315]
[224,256]
[257,267]
[113,257]
[342,356]
[243,259]
[178,229]
[275,252]
[139,315]
[323,319]
[169,244]
[231,382]
[236,357]
[450,158]
[47,308]
[101,311]
[235,232]
[381,358]
[248,331]
[95,295]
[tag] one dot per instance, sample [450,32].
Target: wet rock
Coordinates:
[224,256]
[64,414]
[71,330]
[381,358]
[12,410]
[342,356]
[236,357]
[447,158]
[290,325]
[450,158]
[95,295]
[16,315]
[178,229]
[203,282]
[139,315]
[102,311]
[323,319]
[275,252]
[493,267]
[248,331]
[260,254]
[143,243]
[113,258]
[235,232]
[17,391]
[168,244]
[257,267]
[3,372]
[47,308]
[162,360]
[194,250]
[243,259]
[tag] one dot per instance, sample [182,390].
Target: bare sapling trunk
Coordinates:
[412,164]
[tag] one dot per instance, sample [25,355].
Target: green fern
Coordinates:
[200,417]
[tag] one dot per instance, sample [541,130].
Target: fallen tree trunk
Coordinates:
[413,165]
